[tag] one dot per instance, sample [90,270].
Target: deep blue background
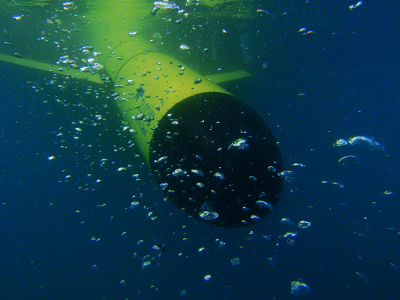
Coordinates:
[340,82]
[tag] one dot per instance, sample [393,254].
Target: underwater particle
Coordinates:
[349,159]
[161,159]
[165,5]
[183,293]
[290,234]
[146,264]
[18,17]
[353,6]
[262,11]
[360,275]
[208,215]
[164,186]
[156,247]
[336,184]
[235,261]
[304,31]
[67,5]
[219,175]
[250,236]
[197,172]
[51,158]
[179,172]
[224,31]
[362,142]
[160,247]
[287,175]
[84,69]
[266,237]
[85,49]
[240,144]
[303,224]
[264,65]
[122,282]
[18,55]
[207,277]
[287,221]
[340,143]
[393,265]
[132,33]
[134,204]
[299,288]
[152,216]
[201,249]
[299,165]
[387,193]
[139,117]
[184,47]
[290,242]
[264,204]
[94,65]
[197,80]
[221,244]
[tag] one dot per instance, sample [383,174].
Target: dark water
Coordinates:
[66,227]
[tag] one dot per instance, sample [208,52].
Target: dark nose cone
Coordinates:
[218,160]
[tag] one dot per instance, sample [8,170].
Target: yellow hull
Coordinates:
[214,156]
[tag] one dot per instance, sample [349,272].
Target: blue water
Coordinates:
[67,230]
